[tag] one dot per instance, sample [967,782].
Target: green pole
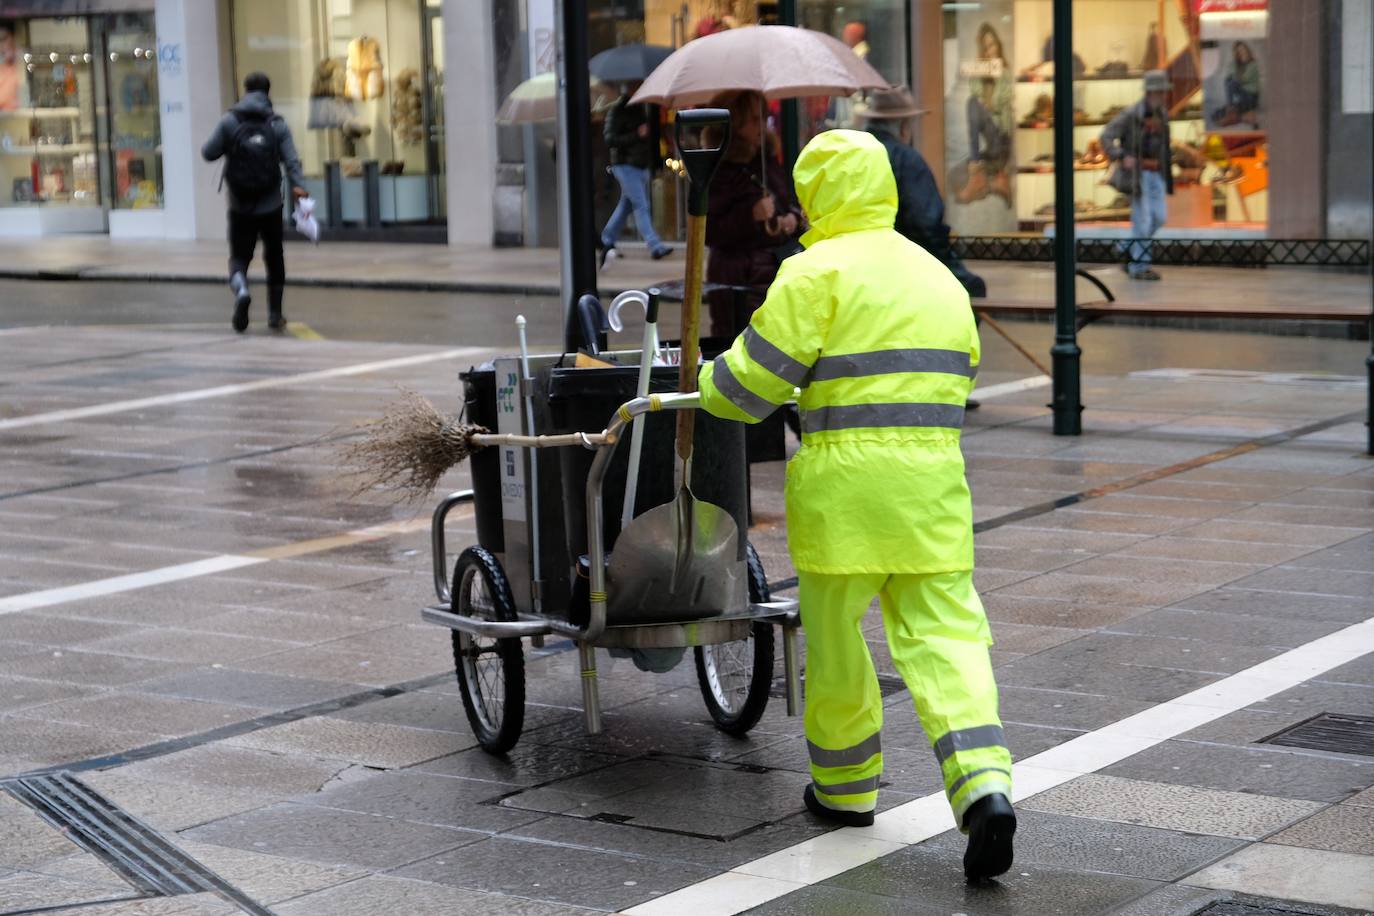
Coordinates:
[1065,354]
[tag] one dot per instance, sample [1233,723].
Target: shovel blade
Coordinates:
[676,562]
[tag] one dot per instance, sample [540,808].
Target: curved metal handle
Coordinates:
[438,545]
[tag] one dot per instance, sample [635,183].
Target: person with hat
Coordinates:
[1137,141]
[889,114]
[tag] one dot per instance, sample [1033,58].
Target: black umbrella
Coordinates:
[628,63]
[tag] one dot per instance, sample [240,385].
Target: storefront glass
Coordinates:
[79,117]
[360,84]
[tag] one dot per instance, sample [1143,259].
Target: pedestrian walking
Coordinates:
[634,152]
[1137,140]
[878,336]
[256,144]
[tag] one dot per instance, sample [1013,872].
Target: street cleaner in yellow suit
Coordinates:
[879,338]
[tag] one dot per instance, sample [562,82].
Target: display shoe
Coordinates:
[239,284]
[843,818]
[275,320]
[990,823]
[977,186]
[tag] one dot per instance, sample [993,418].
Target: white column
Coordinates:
[188,43]
[469,121]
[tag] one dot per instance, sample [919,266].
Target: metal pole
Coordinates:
[578,243]
[1067,404]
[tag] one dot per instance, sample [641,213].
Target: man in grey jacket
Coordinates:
[256,143]
[1137,140]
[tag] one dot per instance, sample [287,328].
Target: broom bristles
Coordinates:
[409,448]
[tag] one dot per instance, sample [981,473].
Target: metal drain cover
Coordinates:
[1276,908]
[1340,734]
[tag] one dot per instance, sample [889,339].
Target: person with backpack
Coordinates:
[255,143]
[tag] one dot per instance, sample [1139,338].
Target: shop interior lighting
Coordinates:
[54,56]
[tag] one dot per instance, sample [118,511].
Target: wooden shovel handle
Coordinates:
[691,331]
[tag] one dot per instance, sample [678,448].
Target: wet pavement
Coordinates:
[210,631]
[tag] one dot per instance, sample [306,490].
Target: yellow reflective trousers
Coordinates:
[938,636]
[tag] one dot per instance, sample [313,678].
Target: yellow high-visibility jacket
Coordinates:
[879,337]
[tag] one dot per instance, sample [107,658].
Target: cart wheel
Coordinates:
[735,677]
[491,672]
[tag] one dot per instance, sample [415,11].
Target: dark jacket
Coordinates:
[920,210]
[1125,136]
[622,134]
[742,251]
[255,104]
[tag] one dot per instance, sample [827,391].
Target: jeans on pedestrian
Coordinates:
[634,195]
[1238,98]
[1148,212]
[986,140]
[244,231]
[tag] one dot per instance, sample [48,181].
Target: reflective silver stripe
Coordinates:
[774,360]
[854,756]
[884,362]
[861,416]
[959,783]
[966,739]
[856,787]
[735,392]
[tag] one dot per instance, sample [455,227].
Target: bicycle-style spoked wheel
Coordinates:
[735,677]
[491,671]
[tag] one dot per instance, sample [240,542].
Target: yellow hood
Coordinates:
[844,183]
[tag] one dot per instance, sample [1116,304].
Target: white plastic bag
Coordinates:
[304,215]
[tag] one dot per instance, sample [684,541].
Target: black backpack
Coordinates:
[253,168]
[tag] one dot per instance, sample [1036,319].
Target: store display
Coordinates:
[329,107]
[407,107]
[363,79]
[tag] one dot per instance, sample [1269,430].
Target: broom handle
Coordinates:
[691,330]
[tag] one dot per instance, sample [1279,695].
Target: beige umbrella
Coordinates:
[536,99]
[780,61]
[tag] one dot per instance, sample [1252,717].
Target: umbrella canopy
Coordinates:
[628,63]
[536,99]
[781,61]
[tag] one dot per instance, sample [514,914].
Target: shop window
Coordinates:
[359,84]
[135,126]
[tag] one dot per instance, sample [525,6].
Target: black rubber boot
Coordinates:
[843,818]
[991,823]
[239,284]
[275,320]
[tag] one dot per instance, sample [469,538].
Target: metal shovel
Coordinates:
[682,560]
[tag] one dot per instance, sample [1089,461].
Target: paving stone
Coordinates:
[26,840]
[1062,709]
[524,765]
[190,905]
[187,646]
[47,746]
[418,709]
[1258,603]
[1359,672]
[1311,581]
[23,892]
[320,663]
[1257,771]
[1229,529]
[1362,519]
[1065,585]
[1170,900]
[22,693]
[1171,807]
[1054,612]
[1319,696]
[368,743]
[1236,629]
[1290,873]
[1027,640]
[442,801]
[1207,655]
[633,735]
[1195,549]
[381,893]
[1084,844]
[281,625]
[1242,728]
[90,668]
[247,688]
[1065,542]
[135,712]
[1355,555]
[223,766]
[268,879]
[935,878]
[1086,675]
[561,874]
[173,806]
[823,900]
[1363,799]
[32,627]
[331,837]
[1340,828]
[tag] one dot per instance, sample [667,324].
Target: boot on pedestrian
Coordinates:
[275,320]
[990,823]
[239,284]
[977,186]
[834,815]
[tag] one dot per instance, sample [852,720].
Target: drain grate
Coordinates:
[133,850]
[1333,732]
[1236,908]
